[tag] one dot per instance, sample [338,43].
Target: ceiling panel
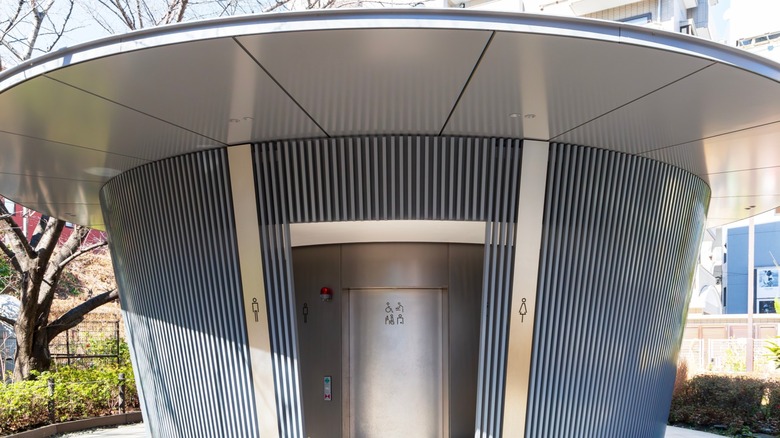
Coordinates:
[563,82]
[39,193]
[211,87]
[742,150]
[756,182]
[30,156]
[372,80]
[79,214]
[731,209]
[61,113]
[714,101]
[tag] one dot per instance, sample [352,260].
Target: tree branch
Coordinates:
[19,244]
[75,315]
[59,33]
[11,257]
[7,320]
[80,252]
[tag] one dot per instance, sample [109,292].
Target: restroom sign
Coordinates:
[327,386]
[394,315]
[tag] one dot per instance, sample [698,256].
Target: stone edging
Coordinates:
[77,425]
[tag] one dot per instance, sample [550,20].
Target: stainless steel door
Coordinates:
[397,363]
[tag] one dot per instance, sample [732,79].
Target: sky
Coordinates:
[735,19]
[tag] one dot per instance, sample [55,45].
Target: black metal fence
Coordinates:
[89,343]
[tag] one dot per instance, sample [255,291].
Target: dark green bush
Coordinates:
[733,402]
[78,393]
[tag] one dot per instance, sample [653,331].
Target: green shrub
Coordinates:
[23,405]
[78,393]
[736,402]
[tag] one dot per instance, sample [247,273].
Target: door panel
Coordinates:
[397,363]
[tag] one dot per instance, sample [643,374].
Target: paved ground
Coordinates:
[676,432]
[137,431]
[131,431]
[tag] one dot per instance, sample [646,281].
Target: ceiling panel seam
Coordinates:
[167,122]
[101,181]
[86,148]
[468,81]
[281,87]
[710,137]
[554,137]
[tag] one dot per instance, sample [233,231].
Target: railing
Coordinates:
[726,355]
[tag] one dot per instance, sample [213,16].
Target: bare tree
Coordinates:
[40,263]
[116,16]
[27,28]
[30,27]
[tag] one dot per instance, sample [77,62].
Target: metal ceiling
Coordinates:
[72,119]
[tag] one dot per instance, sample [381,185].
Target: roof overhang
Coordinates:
[74,118]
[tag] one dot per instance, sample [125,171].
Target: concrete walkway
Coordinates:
[678,432]
[137,431]
[128,431]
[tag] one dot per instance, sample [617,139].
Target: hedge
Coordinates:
[734,403]
[78,393]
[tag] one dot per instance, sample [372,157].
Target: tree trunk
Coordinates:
[37,358]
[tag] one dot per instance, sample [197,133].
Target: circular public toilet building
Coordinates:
[398,223]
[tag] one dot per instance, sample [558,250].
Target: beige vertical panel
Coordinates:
[250,261]
[533,179]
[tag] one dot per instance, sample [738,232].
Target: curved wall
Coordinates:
[618,247]
[173,244]
[620,239]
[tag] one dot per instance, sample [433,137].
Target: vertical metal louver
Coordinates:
[390,178]
[280,297]
[497,289]
[619,244]
[174,249]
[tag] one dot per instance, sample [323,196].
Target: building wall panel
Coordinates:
[620,239]
[396,178]
[181,295]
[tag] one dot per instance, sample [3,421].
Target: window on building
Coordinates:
[10,206]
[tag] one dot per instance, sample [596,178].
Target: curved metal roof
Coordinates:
[74,118]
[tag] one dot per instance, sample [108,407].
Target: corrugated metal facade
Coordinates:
[181,295]
[619,245]
[391,178]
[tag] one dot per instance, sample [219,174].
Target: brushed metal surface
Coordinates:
[227,98]
[109,124]
[599,353]
[359,82]
[396,360]
[382,71]
[89,164]
[255,308]
[320,331]
[531,200]
[319,336]
[422,265]
[563,81]
[716,155]
[718,100]
[183,308]
[464,296]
